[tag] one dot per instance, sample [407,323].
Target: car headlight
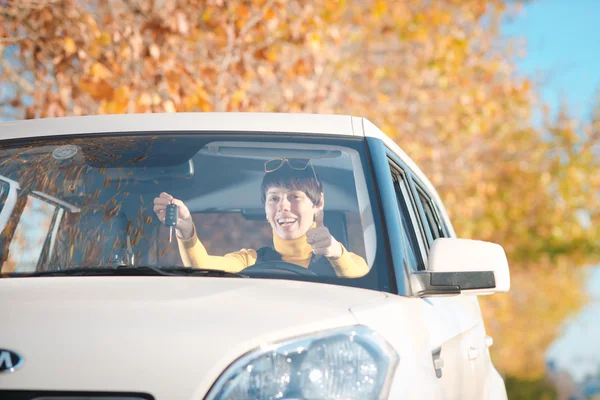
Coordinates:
[351,363]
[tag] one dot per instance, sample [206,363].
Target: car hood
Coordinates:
[167,336]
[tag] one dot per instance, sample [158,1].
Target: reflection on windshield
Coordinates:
[30,234]
[102,201]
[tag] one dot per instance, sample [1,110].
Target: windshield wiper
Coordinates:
[125,270]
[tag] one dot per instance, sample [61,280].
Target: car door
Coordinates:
[464,338]
[441,325]
[452,324]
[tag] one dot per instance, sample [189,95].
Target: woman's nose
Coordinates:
[284,204]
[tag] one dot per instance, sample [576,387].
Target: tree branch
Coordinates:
[11,40]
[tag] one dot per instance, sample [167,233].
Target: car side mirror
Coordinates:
[463,266]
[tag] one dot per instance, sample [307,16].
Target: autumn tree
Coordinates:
[436,76]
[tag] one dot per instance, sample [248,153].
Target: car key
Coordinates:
[171,219]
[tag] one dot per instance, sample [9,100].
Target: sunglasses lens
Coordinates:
[273,165]
[298,163]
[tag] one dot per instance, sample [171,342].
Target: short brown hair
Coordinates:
[305,180]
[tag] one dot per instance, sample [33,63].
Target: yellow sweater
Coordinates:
[297,251]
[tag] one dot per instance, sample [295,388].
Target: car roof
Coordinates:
[327,124]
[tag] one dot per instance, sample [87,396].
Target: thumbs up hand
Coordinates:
[321,241]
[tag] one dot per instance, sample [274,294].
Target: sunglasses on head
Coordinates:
[299,164]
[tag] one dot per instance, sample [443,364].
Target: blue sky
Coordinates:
[563,58]
[576,349]
[563,50]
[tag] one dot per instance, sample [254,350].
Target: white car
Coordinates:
[100,299]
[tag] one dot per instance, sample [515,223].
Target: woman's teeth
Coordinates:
[286,221]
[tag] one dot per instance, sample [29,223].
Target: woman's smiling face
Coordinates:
[289,212]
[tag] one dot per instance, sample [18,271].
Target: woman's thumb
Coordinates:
[319,218]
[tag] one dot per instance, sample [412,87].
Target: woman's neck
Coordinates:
[292,248]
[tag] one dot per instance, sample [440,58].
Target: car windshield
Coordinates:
[99,201]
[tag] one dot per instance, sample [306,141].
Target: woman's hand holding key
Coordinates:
[184,226]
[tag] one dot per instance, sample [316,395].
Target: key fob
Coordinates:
[171,215]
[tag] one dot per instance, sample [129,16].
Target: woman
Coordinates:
[294,200]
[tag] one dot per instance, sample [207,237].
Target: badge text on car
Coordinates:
[9,361]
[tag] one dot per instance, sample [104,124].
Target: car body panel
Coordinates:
[183,122]
[171,337]
[433,323]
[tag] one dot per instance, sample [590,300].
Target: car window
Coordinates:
[104,188]
[405,207]
[432,219]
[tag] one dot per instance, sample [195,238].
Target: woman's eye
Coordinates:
[273,198]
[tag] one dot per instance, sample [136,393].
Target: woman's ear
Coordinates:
[321,202]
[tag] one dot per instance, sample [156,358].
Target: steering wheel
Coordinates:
[272,266]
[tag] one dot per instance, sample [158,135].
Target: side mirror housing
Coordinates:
[463,266]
